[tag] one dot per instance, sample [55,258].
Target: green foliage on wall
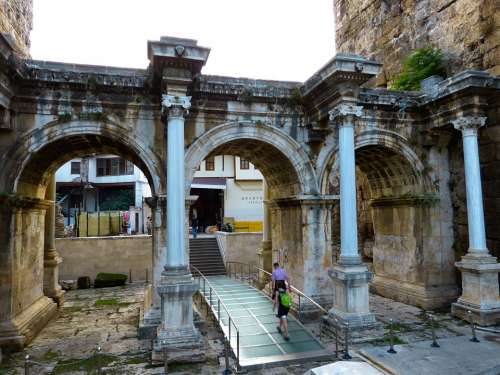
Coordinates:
[421,64]
[118,200]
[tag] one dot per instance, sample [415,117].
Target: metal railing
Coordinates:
[253,274]
[216,311]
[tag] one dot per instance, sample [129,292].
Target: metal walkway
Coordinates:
[245,314]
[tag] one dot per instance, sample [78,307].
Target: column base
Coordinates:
[351,296]
[148,325]
[480,291]
[177,333]
[20,331]
[182,345]
[51,287]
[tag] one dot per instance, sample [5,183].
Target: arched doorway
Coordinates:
[27,174]
[403,233]
[299,215]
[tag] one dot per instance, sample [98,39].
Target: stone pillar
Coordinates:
[149,323]
[176,286]
[350,276]
[51,259]
[266,252]
[480,291]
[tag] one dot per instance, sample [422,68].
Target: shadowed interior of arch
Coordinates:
[33,178]
[386,173]
[280,174]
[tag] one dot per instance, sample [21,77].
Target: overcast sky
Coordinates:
[270,39]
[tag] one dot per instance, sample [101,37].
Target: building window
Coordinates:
[75,167]
[210,164]
[114,167]
[244,164]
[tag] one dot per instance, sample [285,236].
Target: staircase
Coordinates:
[204,254]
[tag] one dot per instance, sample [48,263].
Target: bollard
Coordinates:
[336,338]
[130,276]
[433,329]
[98,360]
[391,338]
[346,355]
[472,327]
[27,365]
[165,357]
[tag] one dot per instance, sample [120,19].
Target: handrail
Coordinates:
[230,318]
[297,291]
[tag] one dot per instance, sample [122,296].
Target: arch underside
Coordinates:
[387,173]
[47,159]
[279,173]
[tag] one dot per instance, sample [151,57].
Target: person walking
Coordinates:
[279,279]
[194,225]
[281,298]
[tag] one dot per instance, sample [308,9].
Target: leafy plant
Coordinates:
[422,63]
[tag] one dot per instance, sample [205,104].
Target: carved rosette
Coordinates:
[469,125]
[175,106]
[345,114]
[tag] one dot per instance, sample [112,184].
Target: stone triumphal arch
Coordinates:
[322,145]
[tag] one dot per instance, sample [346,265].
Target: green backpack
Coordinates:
[286,299]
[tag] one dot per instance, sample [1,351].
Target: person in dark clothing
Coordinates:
[282,313]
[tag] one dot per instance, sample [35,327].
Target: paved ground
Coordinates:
[108,318]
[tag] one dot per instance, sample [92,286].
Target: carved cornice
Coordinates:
[175,106]
[469,125]
[345,114]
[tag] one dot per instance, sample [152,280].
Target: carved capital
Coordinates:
[175,106]
[469,125]
[345,114]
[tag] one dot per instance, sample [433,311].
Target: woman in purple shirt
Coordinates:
[280,279]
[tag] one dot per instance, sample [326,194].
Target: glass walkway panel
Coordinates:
[246,316]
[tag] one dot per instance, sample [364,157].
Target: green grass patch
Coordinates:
[400,327]
[113,302]
[386,340]
[88,365]
[136,361]
[50,355]
[73,309]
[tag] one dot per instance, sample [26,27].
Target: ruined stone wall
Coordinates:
[16,19]
[467,31]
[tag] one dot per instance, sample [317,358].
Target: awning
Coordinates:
[218,183]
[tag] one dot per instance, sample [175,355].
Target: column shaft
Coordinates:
[348,217]
[475,212]
[175,193]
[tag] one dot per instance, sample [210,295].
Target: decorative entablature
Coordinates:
[53,74]
[242,88]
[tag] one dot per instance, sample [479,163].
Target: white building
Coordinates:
[229,189]
[103,183]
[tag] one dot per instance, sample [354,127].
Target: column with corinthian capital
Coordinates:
[480,291]
[350,276]
[176,287]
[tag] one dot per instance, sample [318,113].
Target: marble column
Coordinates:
[176,287]
[51,259]
[350,276]
[480,291]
